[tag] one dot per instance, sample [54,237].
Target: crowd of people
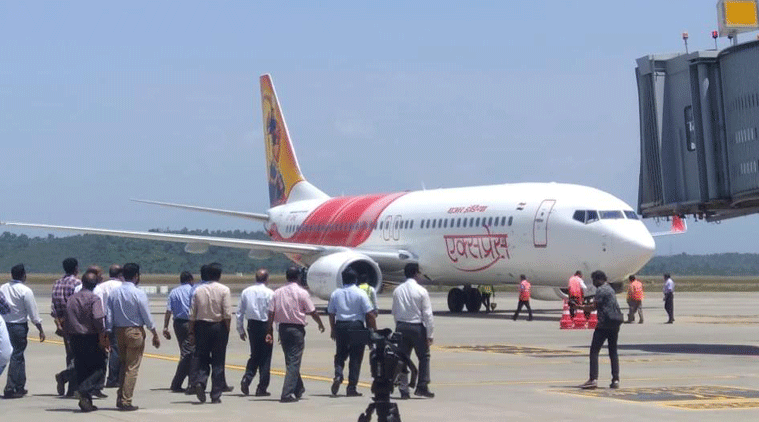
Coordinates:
[103,324]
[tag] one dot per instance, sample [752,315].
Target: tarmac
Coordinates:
[484,367]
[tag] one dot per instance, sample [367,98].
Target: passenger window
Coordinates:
[503,221]
[579,216]
[631,215]
[458,222]
[510,220]
[465,222]
[495,222]
[490,221]
[433,223]
[445,223]
[477,222]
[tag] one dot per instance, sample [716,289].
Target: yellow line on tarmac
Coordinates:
[170,358]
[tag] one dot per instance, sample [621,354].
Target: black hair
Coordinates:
[18,272]
[349,276]
[522,277]
[185,277]
[666,275]
[204,272]
[598,275]
[69,265]
[214,271]
[410,270]
[292,273]
[632,277]
[115,271]
[131,270]
[89,280]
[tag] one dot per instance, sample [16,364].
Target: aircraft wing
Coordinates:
[248,215]
[194,243]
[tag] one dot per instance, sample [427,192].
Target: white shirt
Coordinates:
[669,286]
[21,300]
[254,304]
[105,288]
[411,303]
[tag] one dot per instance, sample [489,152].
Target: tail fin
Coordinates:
[281,163]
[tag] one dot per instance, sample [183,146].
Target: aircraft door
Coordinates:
[540,225]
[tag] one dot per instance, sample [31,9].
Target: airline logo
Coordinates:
[476,252]
[281,164]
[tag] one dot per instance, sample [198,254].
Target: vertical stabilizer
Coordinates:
[281,163]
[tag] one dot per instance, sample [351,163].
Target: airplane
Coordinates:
[460,237]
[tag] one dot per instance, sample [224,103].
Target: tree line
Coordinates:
[44,255]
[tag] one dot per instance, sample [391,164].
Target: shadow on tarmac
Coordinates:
[692,348]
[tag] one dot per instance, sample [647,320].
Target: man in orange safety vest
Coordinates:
[576,288]
[635,300]
[524,298]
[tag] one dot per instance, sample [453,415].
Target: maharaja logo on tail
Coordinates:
[282,166]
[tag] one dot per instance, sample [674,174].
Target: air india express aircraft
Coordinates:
[460,237]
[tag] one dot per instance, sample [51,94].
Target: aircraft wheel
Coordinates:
[473,300]
[456,299]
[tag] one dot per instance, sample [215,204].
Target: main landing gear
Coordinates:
[468,296]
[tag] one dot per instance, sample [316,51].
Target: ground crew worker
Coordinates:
[635,300]
[486,291]
[524,298]
[371,292]
[576,288]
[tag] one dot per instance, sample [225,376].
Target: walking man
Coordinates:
[669,298]
[412,312]
[210,320]
[20,299]
[288,308]
[524,298]
[576,287]
[609,320]
[63,288]
[84,325]
[103,290]
[128,314]
[348,309]
[635,300]
[254,307]
[178,304]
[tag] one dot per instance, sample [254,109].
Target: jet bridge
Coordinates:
[699,117]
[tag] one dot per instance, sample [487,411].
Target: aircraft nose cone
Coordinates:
[633,248]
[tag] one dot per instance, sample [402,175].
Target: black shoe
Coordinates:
[86,405]
[189,391]
[228,389]
[405,395]
[288,399]
[300,393]
[424,393]
[670,322]
[353,393]
[514,318]
[262,393]
[60,384]
[127,407]
[178,390]
[99,394]
[336,385]
[13,395]
[200,392]
[245,388]
[614,384]
[217,400]
[589,385]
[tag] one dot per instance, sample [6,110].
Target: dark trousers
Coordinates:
[69,374]
[186,350]
[211,340]
[600,335]
[17,366]
[90,363]
[260,355]
[415,337]
[113,361]
[669,305]
[350,341]
[519,308]
[486,301]
[293,339]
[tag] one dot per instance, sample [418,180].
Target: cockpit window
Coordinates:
[611,215]
[591,216]
[631,215]
[579,216]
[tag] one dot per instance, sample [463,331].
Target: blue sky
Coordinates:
[105,101]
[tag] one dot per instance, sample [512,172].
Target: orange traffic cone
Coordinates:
[593,320]
[579,320]
[566,320]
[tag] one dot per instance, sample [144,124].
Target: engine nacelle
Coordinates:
[325,275]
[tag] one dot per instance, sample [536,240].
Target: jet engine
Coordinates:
[325,274]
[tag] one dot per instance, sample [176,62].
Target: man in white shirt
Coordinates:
[412,312]
[669,298]
[22,305]
[254,307]
[103,290]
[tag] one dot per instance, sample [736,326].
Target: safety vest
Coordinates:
[486,289]
[575,288]
[524,291]
[368,290]
[635,290]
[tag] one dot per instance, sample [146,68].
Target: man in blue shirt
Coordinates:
[348,308]
[178,304]
[128,313]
